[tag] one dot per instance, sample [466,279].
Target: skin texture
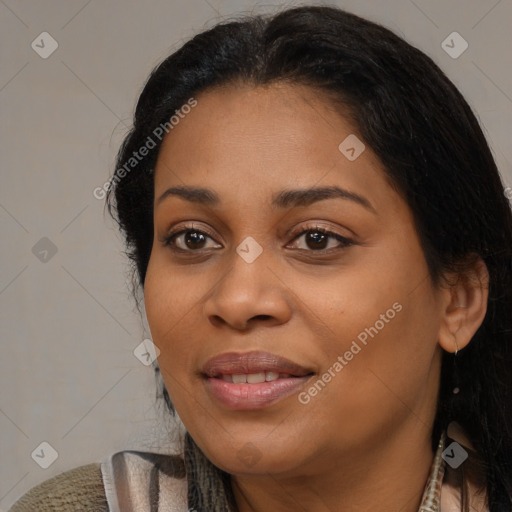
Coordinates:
[364,439]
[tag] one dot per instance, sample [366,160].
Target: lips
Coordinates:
[251,363]
[252,380]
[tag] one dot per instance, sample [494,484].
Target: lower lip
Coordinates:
[253,396]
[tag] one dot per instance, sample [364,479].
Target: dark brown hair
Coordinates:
[433,151]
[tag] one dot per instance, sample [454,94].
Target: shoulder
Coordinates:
[80,488]
[140,481]
[127,480]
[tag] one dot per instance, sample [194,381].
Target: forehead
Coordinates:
[255,139]
[257,119]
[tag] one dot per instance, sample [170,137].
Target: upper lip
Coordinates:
[236,363]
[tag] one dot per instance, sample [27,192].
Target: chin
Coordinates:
[242,456]
[251,464]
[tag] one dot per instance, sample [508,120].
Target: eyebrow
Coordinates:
[291,198]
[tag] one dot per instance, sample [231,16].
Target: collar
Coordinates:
[128,478]
[431,500]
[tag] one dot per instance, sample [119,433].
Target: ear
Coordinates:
[464,306]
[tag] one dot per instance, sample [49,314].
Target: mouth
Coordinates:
[253,365]
[252,380]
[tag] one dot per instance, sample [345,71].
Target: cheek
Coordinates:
[384,328]
[169,295]
[379,368]
[167,313]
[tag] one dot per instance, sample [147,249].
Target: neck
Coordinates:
[391,476]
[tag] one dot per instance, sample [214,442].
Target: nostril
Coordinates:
[261,317]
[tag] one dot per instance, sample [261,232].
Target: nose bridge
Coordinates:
[247,275]
[248,288]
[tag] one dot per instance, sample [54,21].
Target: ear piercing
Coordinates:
[456,389]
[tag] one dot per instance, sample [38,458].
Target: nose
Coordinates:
[248,294]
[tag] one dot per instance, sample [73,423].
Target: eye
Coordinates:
[319,239]
[188,239]
[314,239]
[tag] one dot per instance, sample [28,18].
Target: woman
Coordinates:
[325,251]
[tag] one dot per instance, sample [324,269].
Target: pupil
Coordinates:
[317,238]
[193,238]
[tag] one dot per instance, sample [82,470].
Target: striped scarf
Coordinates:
[148,482]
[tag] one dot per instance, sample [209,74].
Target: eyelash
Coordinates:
[168,241]
[344,242]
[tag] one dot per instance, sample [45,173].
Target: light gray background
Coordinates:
[68,326]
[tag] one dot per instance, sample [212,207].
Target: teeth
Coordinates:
[255,378]
[271,376]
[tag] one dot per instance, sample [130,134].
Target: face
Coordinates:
[296,268]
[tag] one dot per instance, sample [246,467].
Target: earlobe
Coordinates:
[464,307]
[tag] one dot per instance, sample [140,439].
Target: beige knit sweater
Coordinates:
[80,489]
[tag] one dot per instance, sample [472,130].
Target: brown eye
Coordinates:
[320,239]
[316,240]
[194,239]
[188,240]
